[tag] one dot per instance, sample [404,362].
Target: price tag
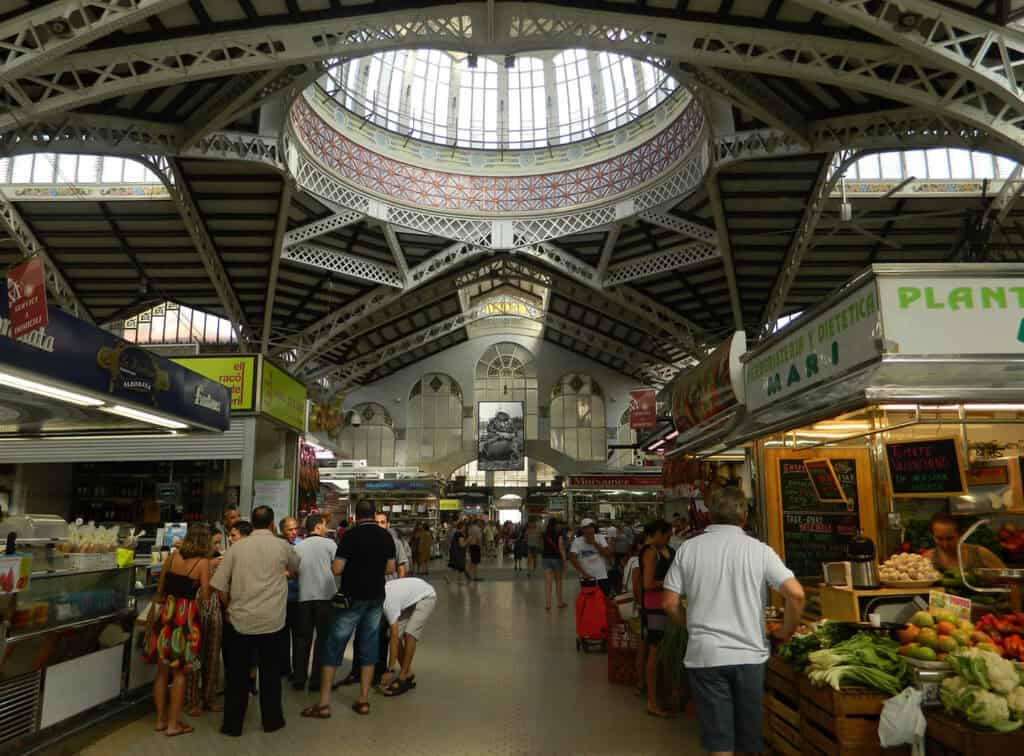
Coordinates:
[958,606]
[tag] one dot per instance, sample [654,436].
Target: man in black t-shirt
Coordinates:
[365,555]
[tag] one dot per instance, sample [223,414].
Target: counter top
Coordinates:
[884,591]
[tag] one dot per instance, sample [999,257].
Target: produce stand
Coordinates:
[923,359]
[782,709]
[948,736]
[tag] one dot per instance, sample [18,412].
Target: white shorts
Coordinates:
[414,619]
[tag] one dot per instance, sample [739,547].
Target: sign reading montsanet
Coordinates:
[839,339]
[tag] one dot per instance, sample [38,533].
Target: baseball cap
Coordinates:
[587,522]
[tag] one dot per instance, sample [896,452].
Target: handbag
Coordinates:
[626,605]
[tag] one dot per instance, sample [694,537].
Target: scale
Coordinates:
[997,580]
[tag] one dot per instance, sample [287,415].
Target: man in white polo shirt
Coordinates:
[725,575]
[589,554]
[408,604]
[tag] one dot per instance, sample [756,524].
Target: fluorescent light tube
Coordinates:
[52,392]
[146,417]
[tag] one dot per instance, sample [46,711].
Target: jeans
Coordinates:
[238,654]
[312,616]
[364,615]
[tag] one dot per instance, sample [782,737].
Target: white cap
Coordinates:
[587,522]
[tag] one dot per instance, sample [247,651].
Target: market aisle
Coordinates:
[497,675]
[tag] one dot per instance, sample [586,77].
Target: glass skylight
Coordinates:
[496,102]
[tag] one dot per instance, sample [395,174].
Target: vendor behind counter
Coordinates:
[946,532]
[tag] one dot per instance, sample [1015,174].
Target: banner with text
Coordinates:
[838,340]
[643,409]
[26,298]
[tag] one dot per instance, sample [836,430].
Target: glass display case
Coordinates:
[62,614]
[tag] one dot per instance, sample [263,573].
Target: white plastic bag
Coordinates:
[902,721]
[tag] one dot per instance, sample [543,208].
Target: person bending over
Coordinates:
[408,604]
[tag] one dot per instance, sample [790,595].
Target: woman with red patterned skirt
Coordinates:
[175,640]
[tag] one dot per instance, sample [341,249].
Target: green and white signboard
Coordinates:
[959,311]
[839,339]
[947,315]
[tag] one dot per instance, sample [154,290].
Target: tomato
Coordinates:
[908,634]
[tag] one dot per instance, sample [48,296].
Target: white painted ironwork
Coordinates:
[608,249]
[984,56]
[450,257]
[725,245]
[32,38]
[697,231]
[675,258]
[57,286]
[280,226]
[243,94]
[172,177]
[350,373]
[832,169]
[751,95]
[333,222]
[343,263]
[563,262]
[396,250]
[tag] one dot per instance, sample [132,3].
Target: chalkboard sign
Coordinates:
[812,539]
[797,492]
[823,478]
[926,468]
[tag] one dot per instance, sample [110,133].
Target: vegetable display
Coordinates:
[986,690]
[825,635]
[1006,633]
[863,660]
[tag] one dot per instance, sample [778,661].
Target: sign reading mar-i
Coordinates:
[839,339]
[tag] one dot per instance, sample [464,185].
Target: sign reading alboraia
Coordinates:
[953,315]
[835,341]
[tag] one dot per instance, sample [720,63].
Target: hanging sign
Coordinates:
[281,396]
[825,481]
[710,388]
[451,505]
[838,340]
[614,481]
[643,409]
[926,468]
[237,373]
[26,298]
[956,314]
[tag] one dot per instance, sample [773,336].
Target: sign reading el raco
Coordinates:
[838,340]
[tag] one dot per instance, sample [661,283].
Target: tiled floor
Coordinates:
[496,675]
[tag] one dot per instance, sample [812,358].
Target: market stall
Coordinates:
[628,498]
[67,611]
[895,399]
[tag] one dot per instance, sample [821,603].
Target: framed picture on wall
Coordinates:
[501,436]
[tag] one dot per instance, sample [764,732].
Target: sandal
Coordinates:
[660,713]
[362,708]
[316,712]
[398,687]
[184,730]
[160,726]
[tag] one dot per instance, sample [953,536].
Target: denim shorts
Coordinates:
[365,616]
[555,565]
[729,701]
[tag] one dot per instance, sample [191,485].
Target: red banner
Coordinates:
[26,298]
[643,409]
[710,388]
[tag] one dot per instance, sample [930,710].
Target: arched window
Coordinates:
[434,419]
[372,439]
[577,418]
[506,372]
[624,435]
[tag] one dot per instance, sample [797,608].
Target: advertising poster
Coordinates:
[643,409]
[501,436]
[26,298]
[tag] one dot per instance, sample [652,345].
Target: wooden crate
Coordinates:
[841,723]
[949,736]
[782,709]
